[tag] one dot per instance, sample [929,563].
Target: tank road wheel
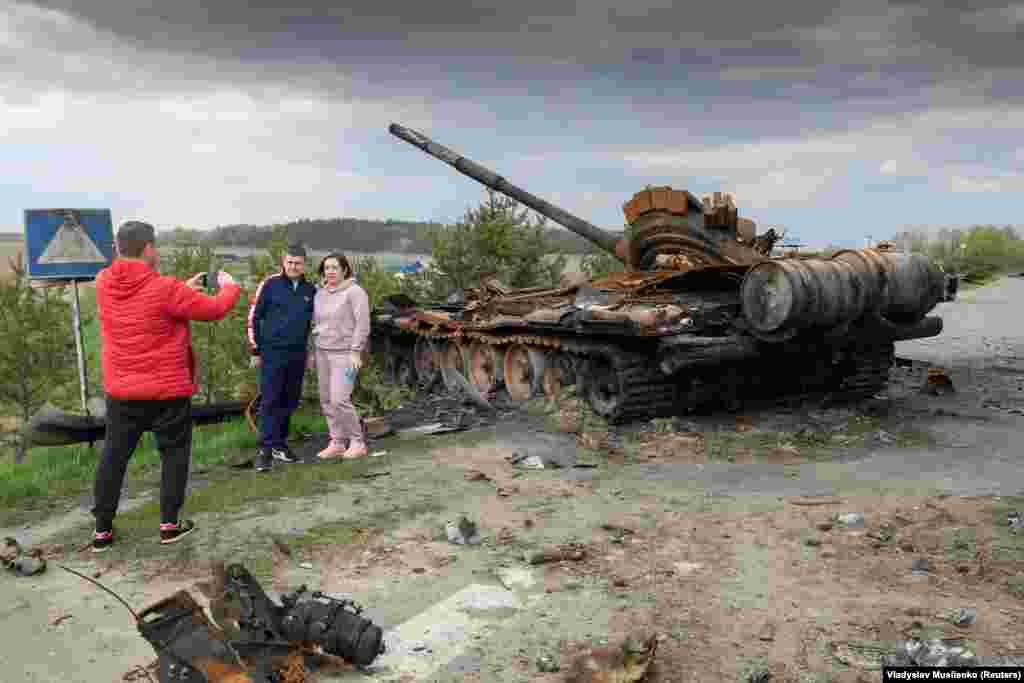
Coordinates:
[425,363]
[404,370]
[524,370]
[485,366]
[558,372]
[453,355]
[602,389]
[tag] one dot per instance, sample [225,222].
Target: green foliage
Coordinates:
[37,349]
[493,239]
[222,355]
[262,265]
[979,253]
[600,264]
[377,282]
[373,394]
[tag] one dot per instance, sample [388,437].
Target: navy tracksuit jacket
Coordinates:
[278,327]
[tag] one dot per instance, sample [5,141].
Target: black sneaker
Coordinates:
[284,454]
[264,461]
[102,540]
[173,534]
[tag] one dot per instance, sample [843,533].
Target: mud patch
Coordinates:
[799,594]
[355,567]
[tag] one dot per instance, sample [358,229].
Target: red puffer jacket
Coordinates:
[147,346]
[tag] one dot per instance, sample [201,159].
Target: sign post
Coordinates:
[83,383]
[69,246]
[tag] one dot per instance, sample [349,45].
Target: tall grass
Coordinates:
[68,470]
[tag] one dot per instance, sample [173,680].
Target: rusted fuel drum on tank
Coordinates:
[792,294]
[913,284]
[783,296]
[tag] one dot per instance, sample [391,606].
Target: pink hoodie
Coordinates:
[341,317]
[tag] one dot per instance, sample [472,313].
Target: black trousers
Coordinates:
[171,423]
[281,375]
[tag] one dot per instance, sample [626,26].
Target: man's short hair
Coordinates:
[132,238]
[296,249]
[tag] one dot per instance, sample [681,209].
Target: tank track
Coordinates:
[623,384]
[868,371]
[643,392]
[624,387]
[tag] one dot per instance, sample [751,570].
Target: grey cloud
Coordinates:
[715,70]
[861,32]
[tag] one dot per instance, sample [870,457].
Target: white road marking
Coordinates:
[426,643]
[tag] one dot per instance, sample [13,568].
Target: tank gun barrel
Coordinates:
[465,166]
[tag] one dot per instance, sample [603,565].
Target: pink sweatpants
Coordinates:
[337,378]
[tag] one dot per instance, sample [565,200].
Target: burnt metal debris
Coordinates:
[261,641]
[701,316]
[51,426]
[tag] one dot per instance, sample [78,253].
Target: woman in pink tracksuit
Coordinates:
[341,327]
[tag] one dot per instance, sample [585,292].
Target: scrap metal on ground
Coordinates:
[51,426]
[701,316]
[257,640]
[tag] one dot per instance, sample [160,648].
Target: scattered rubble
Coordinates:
[767,632]
[432,428]
[462,532]
[476,475]
[454,378]
[815,501]
[554,554]
[533,462]
[937,383]
[627,663]
[850,520]
[547,664]
[961,616]
[19,562]
[946,652]
[376,427]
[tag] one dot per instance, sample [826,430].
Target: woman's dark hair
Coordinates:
[346,269]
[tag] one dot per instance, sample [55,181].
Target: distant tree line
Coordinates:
[978,253]
[353,234]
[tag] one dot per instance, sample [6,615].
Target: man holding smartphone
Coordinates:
[278,327]
[149,373]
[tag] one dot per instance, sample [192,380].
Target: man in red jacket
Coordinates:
[149,373]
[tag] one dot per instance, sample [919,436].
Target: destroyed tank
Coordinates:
[700,317]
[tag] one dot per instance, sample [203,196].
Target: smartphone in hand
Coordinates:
[210,277]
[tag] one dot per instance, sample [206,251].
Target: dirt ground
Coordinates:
[722,537]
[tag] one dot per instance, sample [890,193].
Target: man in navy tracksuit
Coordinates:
[278,327]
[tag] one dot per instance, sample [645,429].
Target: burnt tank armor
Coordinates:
[701,316]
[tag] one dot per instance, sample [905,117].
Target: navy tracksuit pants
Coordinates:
[281,374]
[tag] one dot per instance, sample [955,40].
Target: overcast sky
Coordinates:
[835,124]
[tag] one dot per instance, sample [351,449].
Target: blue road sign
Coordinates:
[68,244]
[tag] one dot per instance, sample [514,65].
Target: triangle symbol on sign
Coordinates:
[72,244]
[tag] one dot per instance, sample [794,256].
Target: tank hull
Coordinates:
[652,344]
